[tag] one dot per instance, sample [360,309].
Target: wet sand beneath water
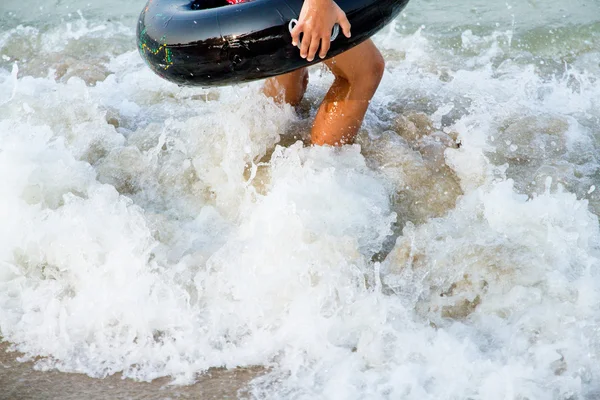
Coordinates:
[19,381]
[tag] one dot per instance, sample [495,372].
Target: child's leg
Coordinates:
[357,75]
[289,88]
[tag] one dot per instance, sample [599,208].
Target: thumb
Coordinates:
[344,24]
[295,33]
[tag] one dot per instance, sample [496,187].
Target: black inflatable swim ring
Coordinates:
[240,43]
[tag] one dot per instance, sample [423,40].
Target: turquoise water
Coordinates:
[452,253]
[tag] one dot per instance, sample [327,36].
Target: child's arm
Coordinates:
[316,22]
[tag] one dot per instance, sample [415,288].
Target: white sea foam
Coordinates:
[162,231]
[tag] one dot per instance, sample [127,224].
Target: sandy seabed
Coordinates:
[20,381]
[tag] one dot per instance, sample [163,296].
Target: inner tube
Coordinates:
[191,46]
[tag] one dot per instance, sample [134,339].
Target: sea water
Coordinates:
[453,252]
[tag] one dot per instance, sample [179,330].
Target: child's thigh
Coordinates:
[360,63]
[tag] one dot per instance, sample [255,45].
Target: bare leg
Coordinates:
[357,75]
[288,88]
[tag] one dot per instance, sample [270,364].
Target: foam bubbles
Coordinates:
[162,231]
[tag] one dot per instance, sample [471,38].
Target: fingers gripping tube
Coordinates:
[334,33]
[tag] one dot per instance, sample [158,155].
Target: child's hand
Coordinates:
[316,22]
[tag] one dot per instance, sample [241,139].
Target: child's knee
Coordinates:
[378,68]
[370,75]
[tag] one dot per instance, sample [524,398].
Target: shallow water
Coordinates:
[159,232]
[19,380]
